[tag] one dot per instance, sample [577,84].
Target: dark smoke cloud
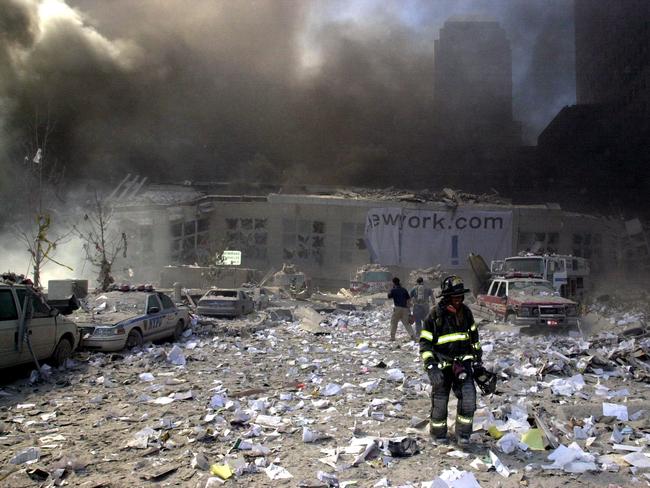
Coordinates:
[220,89]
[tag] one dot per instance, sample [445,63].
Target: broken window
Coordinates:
[546,242]
[8,309]
[190,240]
[304,240]
[177,229]
[587,245]
[203,225]
[249,236]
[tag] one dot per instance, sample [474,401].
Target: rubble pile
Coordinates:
[433,275]
[451,198]
[297,397]
[627,313]
[371,267]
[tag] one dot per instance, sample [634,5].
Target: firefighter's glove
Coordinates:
[435,375]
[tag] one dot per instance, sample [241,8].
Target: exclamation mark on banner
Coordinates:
[454,251]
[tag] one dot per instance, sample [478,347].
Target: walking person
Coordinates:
[451,351]
[401,310]
[422,299]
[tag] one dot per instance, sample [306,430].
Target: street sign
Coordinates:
[231,258]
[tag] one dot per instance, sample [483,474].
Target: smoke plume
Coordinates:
[273,89]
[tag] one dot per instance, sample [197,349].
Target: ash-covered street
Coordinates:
[326,400]
[324,243]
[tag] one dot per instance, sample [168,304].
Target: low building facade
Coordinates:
[330,236]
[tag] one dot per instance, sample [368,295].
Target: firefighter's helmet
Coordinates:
[486,381]
[452,285]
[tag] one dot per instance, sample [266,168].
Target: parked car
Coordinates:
[225,303]
[25,318]
[527,301]
[127,319]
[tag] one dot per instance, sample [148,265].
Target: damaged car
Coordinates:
[527,301]
[225,303]
[31,330]
[118,320]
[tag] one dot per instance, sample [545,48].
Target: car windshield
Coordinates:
[222,294]
[120,302]
[532,288]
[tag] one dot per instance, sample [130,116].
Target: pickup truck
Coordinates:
[529,302]
[27,321]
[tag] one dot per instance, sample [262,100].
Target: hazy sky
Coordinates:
[204,88]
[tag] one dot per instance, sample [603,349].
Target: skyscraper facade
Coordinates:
[473,83]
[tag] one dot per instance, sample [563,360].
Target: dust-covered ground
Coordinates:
[262,398]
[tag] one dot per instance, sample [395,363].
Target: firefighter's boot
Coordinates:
[465,412]
[438,423]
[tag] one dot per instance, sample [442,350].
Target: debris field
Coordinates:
[306,395]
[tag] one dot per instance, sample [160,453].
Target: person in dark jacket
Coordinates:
[401,310]
[450,349]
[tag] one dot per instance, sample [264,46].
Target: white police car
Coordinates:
[117,319]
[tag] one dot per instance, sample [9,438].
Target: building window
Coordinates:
[547,242]
[303,240]
[250,236]
[587,245]
[190,241]
[352,241]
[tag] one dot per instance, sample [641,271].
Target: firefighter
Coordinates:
[450,349]
[422,298]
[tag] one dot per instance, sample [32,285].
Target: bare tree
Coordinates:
[38,172]
[102,243]
[42,246]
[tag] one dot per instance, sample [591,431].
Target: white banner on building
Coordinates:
[422,238]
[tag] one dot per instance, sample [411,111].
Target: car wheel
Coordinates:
[134,339]
[510,318]
[62,353]
[178,330]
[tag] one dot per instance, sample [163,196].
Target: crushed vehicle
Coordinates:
[371,278]
[261,296]
[31,330]
[526,301]
[119,319]
[569,275]
[290,279]
[225,303]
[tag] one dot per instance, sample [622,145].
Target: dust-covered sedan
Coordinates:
[225,303]
[116,320]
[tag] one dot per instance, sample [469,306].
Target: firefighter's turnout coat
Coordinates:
[448,338]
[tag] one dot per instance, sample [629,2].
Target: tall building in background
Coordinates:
[600,145]
[473,83]
[612,40]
